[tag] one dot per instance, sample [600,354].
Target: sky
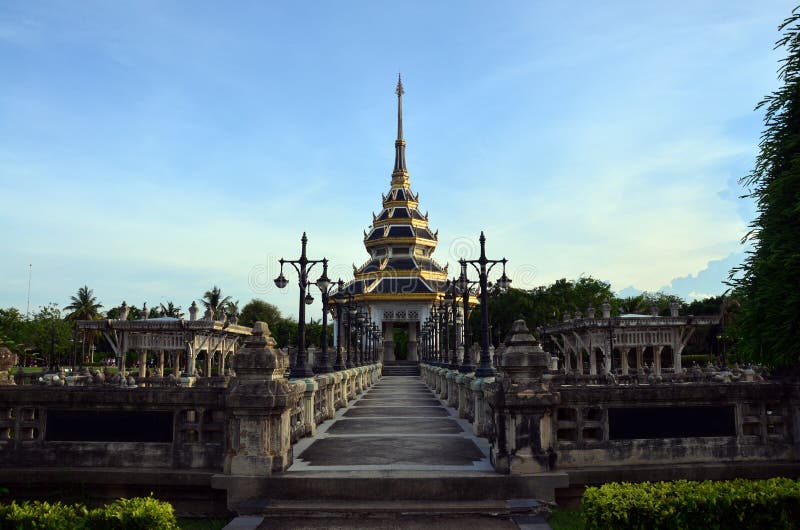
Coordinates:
[154,149]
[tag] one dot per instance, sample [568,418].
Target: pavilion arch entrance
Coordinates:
[400,340]
[400,336]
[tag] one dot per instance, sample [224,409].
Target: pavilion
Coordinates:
[400,280]
[622,343]
[183,339]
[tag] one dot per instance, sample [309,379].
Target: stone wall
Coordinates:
[130,432]
[539,421]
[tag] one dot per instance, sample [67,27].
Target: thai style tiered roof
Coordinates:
[399,241]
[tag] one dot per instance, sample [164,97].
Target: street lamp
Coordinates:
[339,298]
[303,266]
[435,334]
[444,331]
[352,311]
[463,283]
[323,365]
[485,368]
[451,297]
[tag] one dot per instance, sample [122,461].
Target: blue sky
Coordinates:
[154,149]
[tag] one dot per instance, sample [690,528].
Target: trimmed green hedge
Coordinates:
[685,505]
[142,513]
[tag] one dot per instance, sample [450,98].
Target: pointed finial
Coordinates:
[400,173]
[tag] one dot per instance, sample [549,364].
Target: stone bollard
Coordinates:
[258,404]
[523,407]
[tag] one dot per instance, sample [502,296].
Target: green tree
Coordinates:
[12,327]
[49,334]
[83,305]
[232,309]
[171,310]
[134,313]
[766,283]
[540,306]
[257,310]
[214,300]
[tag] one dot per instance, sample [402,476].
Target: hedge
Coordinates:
[686,505]
[143,513]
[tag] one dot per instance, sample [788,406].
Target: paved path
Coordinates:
[398,428]
[398,424]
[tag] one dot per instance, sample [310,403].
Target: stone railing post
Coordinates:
[523,407]
[258,409]
[309,413]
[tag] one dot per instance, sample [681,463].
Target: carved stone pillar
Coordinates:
[412,341]
[388,341]
[523,407]
[624,358]
[258,406]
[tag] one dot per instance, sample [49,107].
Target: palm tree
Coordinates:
[84,306]
[232,309]
[214,300]
[171,310]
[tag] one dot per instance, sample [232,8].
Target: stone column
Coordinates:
[657,359]
[190,359]
[388,341]
[142,363]
[624,357]
[161,363]
[412,341]
[209,362]
[592,361]
[222,356]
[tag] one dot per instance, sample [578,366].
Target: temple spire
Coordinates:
[400,173]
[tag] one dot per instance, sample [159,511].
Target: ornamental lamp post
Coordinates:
[467,365]
[451,296]
[352,310]
[339,300]
[359,335]
[444,315]
[485,368]
[375,340]
[324,284]
[434,335]
[303,266]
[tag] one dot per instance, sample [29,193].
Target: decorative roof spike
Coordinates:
[400,173]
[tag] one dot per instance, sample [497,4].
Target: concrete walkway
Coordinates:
[398,424]
[398,429]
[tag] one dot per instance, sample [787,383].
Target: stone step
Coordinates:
[433,487]
[391,370]
[478,514]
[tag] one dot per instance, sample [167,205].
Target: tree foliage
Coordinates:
[83,305]
[213,300]
[767,281]
[257,310]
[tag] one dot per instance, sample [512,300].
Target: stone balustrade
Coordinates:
[243,425]
[537,420]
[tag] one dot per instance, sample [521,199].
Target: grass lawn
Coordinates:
[563,519]
[193,523]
